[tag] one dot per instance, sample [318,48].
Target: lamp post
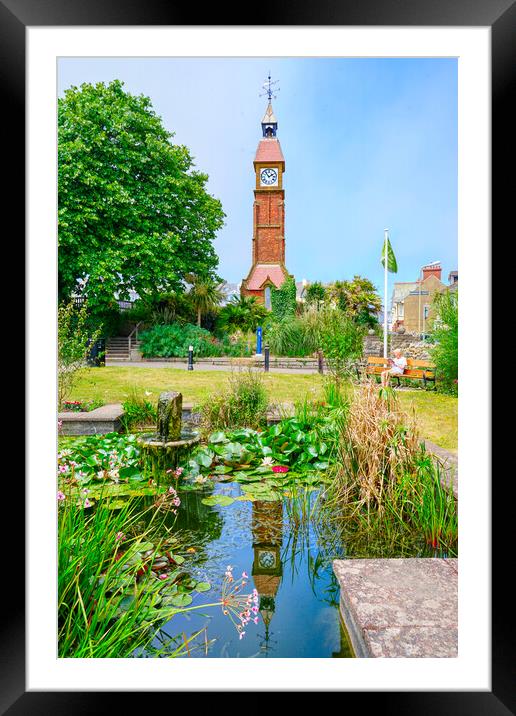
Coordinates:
[266,359]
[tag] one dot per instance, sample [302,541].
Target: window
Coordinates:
[268,297]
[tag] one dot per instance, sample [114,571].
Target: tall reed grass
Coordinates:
[383,480]
[108,597]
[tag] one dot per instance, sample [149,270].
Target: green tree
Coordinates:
[133,213]
[315,294]
[445,353]
[204,295]
[358,298]
[242,313]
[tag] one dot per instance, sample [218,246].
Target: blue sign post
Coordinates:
[259,341]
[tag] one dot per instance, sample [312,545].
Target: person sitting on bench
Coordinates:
[397,366]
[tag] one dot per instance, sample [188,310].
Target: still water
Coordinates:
[288,566]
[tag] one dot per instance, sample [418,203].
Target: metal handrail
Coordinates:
[135,330]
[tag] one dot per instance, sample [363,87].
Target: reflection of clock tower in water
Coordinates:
[268,269]
[267,529]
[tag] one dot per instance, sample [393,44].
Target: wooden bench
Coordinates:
[422,370]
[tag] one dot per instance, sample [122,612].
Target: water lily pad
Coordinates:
[203,586]
[222,500]
[181,600]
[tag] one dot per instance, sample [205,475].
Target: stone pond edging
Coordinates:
[106,419]
[400,608]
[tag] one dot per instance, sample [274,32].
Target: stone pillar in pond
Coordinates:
[170,408]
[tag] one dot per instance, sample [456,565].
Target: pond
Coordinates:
[287,564]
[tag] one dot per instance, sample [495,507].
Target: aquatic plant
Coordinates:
[383,481]
[97,460]
[118,584]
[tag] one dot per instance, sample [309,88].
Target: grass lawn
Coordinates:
[436,414]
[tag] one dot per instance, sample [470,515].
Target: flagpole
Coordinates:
[385,294]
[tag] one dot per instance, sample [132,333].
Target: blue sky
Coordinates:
[368,143]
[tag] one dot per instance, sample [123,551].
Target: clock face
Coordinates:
[267,560]
[269,176]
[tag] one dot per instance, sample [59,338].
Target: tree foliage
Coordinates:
[205,294]
[133,212]
[358,298]
[315,294]
[445,354]
[242,313]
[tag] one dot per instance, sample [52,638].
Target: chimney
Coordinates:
[432,270]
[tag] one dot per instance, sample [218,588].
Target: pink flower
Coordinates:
[242,634]
[163,576]
[60,495]
[245,575]
[255,620]
[279,468]
[120,536]
[87,503]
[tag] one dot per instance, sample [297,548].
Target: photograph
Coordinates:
[257,363]
[247,391]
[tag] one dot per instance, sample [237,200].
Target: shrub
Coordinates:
[138,411]
[242,404]
[341,340]
[173,340]
[293,336]
[74,344]
[445,353]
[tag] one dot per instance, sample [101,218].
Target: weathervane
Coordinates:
[268,87]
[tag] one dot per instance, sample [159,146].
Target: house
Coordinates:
[412,302]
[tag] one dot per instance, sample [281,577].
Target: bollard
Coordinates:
[266,359]
[190,358]
[320,361]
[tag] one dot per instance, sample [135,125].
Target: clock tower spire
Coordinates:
[268,244]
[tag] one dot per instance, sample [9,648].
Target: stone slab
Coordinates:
[105,419]
[400,607]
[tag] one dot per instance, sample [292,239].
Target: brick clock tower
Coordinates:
[268,268]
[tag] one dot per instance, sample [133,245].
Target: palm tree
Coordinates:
[244,313]
[204,294]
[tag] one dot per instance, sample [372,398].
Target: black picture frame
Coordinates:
[500,16]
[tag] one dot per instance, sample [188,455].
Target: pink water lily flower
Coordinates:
[279,468]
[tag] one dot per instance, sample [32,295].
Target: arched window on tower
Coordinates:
[267,297]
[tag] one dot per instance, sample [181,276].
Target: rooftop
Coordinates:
[269,150]
[263,272]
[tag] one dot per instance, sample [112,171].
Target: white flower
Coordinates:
[267,461]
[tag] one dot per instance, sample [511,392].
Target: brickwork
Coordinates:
[268,243]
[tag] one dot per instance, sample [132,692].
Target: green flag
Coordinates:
[392,266]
